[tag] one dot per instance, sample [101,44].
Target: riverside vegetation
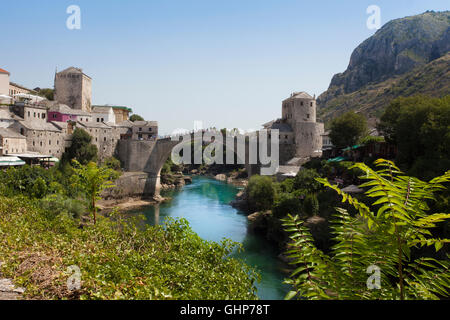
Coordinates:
[331,239]
[48,223]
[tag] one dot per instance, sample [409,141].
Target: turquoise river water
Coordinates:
[205,204]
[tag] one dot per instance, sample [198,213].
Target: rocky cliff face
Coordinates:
[397,48]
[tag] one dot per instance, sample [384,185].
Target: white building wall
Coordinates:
[4,83]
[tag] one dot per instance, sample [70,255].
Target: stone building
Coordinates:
[61,113]
[300,135]
[4,82]
[43,137]
[7,118]
[11,142]
[299,111]
[103,114]
[74,88]
[121,113]
[103,136]
[15,88]
[144,130]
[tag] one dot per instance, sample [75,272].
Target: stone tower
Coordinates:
[299,111]
[74,88]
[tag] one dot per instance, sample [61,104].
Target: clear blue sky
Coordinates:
[228,63]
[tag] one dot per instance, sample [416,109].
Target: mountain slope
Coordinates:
[400,47]
[432,79]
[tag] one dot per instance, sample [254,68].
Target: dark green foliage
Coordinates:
[381,235]
[112,163]
[311,205]
[261,192]
[136,117]
[420,127]
[81,148]
[348,129]
[288,203]
[47,93]
[305,180]
[34,182]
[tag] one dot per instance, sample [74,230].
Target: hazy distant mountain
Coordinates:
[399,59]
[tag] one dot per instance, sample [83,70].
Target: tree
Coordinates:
[47,93]
[92,180]
[305,181]
[378,241]
[420,127]
[348,129]
[261,192]
[136,117]
[81,148]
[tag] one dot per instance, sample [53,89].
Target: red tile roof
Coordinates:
[3,71]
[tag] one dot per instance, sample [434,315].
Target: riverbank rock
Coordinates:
[240,202]
[221,177]
[187,179]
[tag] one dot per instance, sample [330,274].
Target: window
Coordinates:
[103,119]
[54,116]
[307,115]
[29,114]
[98,119]
[140,129]
[310,104]
[301,103]
[43,116]
[104,139]
[34,115]
[39,115]
[81,119]
[49,142]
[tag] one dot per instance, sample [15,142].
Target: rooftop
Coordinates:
[73,70]
[4,71]
[8,133]
[39,126]
[300,95]
[114,107]
[144,124]
[62,108]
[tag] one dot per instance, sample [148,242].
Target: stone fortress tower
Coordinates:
[299,111]
[299,132]
[74,89]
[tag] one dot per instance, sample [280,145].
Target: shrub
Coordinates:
[118,258]
[261,192]
[380,238]
[287,203]
[311,205]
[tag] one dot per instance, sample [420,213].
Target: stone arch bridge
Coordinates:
[143,160]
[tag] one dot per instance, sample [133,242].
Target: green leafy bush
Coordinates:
[118,258]
[261,192]
[288,203]
[379,237]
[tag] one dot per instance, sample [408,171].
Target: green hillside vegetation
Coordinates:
[46,229]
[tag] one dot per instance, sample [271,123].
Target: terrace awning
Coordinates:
[11,161]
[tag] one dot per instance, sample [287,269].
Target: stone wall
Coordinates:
[132,185]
